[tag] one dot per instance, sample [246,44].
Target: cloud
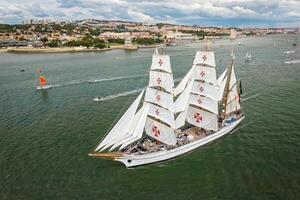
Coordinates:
[136,15]
[201,12]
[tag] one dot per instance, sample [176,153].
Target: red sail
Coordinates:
[43,81]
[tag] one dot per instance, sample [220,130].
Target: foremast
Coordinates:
[156,115]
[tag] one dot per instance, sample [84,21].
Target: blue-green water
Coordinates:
[45,136]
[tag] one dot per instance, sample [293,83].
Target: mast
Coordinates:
[202,96]
[155,117]
[225,95]
[231,98]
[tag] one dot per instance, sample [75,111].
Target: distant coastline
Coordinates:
[30,50]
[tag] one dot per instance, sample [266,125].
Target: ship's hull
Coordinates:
[137,160]
[43,87]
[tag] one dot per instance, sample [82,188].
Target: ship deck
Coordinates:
[186,136]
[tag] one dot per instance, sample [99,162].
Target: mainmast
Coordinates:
[199,93]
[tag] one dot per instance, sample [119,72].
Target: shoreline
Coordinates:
[31,50]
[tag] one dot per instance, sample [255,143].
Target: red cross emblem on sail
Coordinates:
[157,112]
[160,62]
[198,117]
[155,131]
[201,89]
[199,101]
[158,81]
[158,97]
[204,57]
[202,73]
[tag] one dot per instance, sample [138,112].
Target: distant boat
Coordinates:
[206,108]
[42,81]
[248,56]
[289,52]
[239,43]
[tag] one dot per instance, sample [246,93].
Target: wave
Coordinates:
[122,94]
[251,97]
[115,78]
[292,62]
[73,82]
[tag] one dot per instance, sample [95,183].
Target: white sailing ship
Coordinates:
[205,109]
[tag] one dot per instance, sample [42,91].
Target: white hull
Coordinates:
[43,87]
[136,160]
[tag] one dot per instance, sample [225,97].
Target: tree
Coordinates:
[44,40]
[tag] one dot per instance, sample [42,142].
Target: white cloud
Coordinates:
[137,15]
[212,12]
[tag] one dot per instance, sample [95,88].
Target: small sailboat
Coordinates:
[248,56]
[156,128]
[42,81]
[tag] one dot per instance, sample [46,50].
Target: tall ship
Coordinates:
[165,122]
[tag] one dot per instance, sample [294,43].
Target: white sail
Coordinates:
[204,102]
[138,128]
[207,74]
[205,58]
[201,118]
[160,98]
[181,102]
[233,98]
[221,84]
[180,119]
[160,132]
[205,89]
[161,79]
[131,133]
[162,114]
[161,62]
[122,126]
[222,78]
[180,87]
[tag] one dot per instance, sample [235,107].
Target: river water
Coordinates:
[45,136]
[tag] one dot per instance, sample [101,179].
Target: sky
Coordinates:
[238,13]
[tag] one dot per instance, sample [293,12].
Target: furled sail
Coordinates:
[122,126]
